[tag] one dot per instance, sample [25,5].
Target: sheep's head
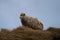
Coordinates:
[22,15]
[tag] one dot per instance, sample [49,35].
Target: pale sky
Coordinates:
[47,11]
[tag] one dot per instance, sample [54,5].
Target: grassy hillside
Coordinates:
[25,33]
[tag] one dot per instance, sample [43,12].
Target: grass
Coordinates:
[25,33]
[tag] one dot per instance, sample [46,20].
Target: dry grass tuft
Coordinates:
[25,33]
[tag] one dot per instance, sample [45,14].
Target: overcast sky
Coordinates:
[47,11]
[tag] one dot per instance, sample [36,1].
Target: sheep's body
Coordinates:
[31,22]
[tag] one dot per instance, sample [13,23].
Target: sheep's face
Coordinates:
[22,15]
